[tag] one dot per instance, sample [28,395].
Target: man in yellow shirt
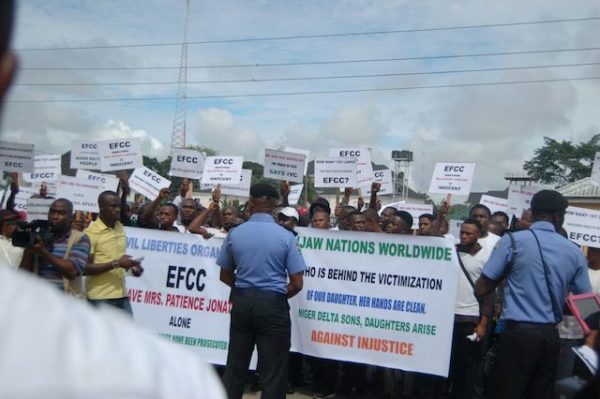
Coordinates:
[105,281]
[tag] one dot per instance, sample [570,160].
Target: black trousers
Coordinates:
[258,318]
[526,362]
[463,361]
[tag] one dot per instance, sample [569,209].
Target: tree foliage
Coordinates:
[562,162]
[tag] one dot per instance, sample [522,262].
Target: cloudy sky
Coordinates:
[401,104]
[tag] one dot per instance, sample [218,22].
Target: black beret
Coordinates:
[549,201]
[263,190]
[320,203]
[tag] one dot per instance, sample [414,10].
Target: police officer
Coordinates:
[540,270]
[256,260]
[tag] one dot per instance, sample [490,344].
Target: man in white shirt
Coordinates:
[487,240]
[10,255]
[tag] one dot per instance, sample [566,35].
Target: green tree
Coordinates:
[562,162]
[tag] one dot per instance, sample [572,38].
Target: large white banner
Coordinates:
[452,178]
[583,226]
[335,172]
[16,157]
[45,168]
[364,168]
[396,314]
[186,163]
[120,154]
[281,165]
[84,155]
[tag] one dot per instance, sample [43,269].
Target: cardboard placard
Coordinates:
[364,168]
[147,182]
[186,163]
[494,203]
[110,182]
[120,154]
[583,226]
[45,168]
[415,210]
[519,198]
[384,178]
[222,170]
[16,157]
[84,155]
[37,208]
[239,190]
[335,172]
[281,165]
[295,192]
[306,154]
[452,178]
[82,193]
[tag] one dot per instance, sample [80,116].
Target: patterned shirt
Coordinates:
[79,256]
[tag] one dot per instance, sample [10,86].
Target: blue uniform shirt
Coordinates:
[526,296]
[262,254]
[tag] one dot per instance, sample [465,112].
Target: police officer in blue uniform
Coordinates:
[540,270]
[256,260]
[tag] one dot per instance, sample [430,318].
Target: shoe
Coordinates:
[256,385]
[319,395]
[290,388]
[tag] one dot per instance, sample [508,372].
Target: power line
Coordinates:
[314,36]
[319,92]
[287,79]
[327,62]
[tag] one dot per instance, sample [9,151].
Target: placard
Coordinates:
[595,177]
[45,168]
[519,198]
[222,170]
[84,155]
[37,208]
[82,193]
[583,226]
[281,165]
[21,198]
[452,178]
[295,192]
[494,203]
[110,182]
[335,172]
[120,154]
[384,178]
[147,182]
[364,168]
[306,154]
[186,163]
[239,190]
[16,157]
[415,210]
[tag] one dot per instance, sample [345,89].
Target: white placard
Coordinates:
[21,198]
[415,210]
[519,198]
[110,182]
[295,192]
[82,193]
[186,163]
[452,178]
[222,170]
[494,203]
[364,168]
[120,154]
[300,151]
[384,178]
[335,172]
[16,157]
[84,155]
[595,178]
[281,165]
[454,229]
[239,190]
[147,182]
[583,226]
[37,208]
[45,168]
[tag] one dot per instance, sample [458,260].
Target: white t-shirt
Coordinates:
[466,303]
[595,280]
[10,256]
[55,346]
[488,243]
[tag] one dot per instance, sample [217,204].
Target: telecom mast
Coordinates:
[178,134]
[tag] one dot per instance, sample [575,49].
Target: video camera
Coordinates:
[28,234]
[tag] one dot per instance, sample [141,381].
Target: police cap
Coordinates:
[263,190]
[549,201]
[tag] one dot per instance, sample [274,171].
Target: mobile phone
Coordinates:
[586,309]
[138,260]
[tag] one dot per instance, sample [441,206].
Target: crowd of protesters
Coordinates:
[98,254]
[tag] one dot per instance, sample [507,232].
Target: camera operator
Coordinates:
[9,254]
[62,257]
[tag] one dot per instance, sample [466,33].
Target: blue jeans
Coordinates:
[120,303]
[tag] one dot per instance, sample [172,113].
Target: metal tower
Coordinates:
[178,133]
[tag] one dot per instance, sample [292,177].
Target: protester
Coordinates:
[525,220]
[399,223]
[384,217]
[425,223]
[230,217]
[539,272]
[260,313]
[10,256]
[288,218]
[500,222]
[320,220]
[167,213]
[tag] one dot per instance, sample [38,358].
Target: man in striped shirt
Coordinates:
[52,263]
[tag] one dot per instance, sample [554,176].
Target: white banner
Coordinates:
[84,155]
[186,163]
[16,157]
[37,208]
[82,193]
[364,168]
[306,154]
[583,226]
[595,177]
[295,192]
[222,170]
[335,172]
[399,315]
[281,165]
[110,182]
[519,198]
[45,168]
[494,203]
[384,178]
[452,178]
[120,154]
[415,210]
[147,182]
